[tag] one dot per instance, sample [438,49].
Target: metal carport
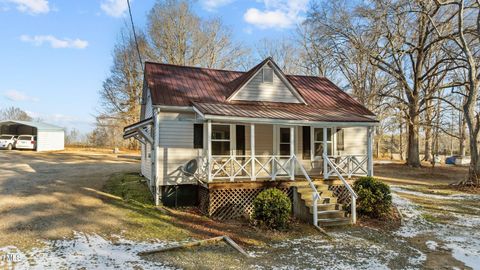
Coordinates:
[49,137]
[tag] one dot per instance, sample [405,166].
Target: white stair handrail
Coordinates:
[316,195]
[353,195]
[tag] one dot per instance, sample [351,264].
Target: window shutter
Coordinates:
[306,142]
[240,133]
[197,136]
[340,140]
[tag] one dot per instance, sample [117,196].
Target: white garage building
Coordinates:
[49,137]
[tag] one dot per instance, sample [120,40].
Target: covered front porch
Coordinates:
[241,151]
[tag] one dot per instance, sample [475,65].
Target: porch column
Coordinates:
[324,154]
[292,153]
[252,152]
[209,151]
[155,153]
[233,151]
[370,151]
[275,151]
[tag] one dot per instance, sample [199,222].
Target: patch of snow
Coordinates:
[414,223]
[344,251]
[399,189]
[88,252]
[464,220]
[461,236]
[432,245]
[465,249]
[418,260]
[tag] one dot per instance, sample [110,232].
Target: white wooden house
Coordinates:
[249,131]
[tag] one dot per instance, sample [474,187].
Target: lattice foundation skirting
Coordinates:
[230,203]
[342,194]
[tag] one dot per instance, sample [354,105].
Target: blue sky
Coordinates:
[56,53]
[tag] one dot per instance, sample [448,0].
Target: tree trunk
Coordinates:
[392,143]
[462,137]
[413,155]
[474,170]
[428,131]
[428,134]
[400,145]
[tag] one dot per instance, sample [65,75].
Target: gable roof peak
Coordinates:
[240,82]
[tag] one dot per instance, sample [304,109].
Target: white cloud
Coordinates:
[55,42]
[277,14]
[114,8]
[17,96]
[31,6]
[212,5]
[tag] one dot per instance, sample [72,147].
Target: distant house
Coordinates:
[249,131]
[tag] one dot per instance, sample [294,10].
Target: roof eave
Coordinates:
[226,118]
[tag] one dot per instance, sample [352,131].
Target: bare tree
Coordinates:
[465,36]
[180,37]
[120,96]
[284,52]
[405,49]
[315,48]
[14,113]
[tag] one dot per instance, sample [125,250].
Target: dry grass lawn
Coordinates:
[399,173]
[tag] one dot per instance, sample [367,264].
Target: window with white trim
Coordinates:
[318,141]
[267,75]
[221,140]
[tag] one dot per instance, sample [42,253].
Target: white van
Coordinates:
[26,142]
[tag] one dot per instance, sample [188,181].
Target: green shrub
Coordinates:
[271,208]
[374,197]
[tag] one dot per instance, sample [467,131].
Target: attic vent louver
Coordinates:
[267,75]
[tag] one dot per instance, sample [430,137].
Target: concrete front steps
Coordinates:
[330,213]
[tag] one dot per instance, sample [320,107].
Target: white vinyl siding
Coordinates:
[263,140]
[355,141]
[50,140]
[258,90]
[176,146]
[146,149]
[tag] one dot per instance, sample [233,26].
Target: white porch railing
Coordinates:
[315,194]
[353,195]
[240,167]
[347,165]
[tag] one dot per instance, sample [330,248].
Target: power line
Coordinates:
[135,35]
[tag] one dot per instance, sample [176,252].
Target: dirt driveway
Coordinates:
[50,195]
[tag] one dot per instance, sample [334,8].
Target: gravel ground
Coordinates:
[47,195]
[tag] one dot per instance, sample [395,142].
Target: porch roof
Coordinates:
[283,111]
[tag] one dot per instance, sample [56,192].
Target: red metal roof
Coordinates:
[276,111]
[209,90]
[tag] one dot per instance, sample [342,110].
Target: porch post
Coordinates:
[275,143]
[292,153]
[233,151]
[209,150]
[252,151]
[324,154]
[155,153]
[370,151]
